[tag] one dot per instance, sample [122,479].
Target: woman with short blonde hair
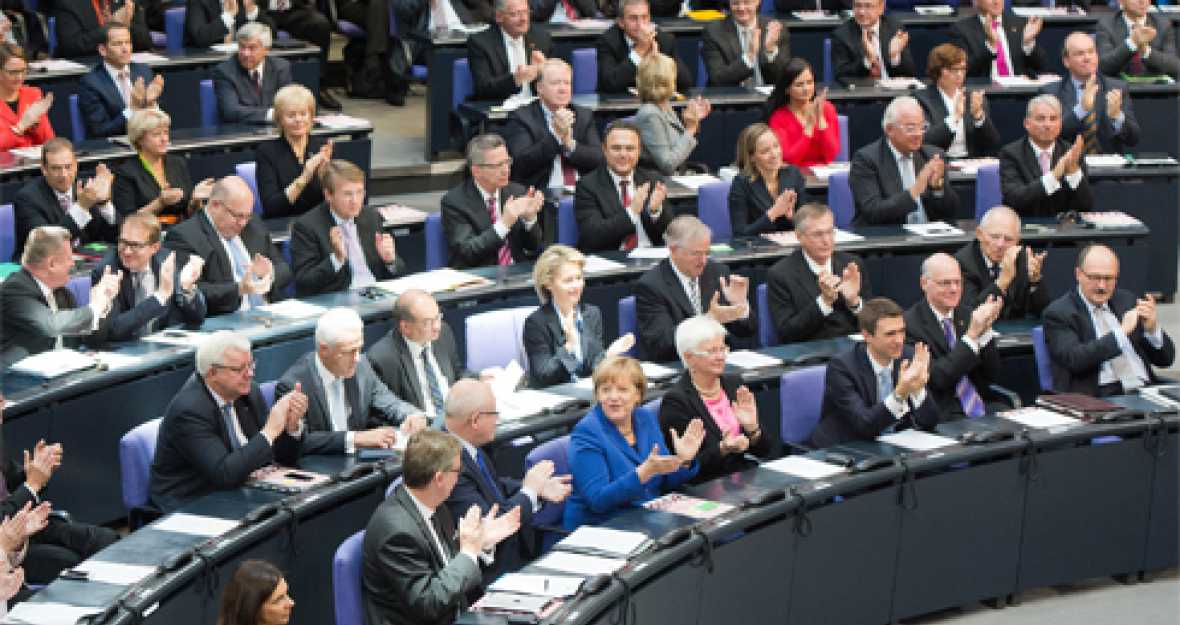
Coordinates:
[155,181]
[667,140]
[290,168]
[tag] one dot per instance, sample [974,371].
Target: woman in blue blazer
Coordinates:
[617,453]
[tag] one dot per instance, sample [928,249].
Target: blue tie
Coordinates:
[884,388]
[228,415]
[436,397]
[578,327]
[483,467]
[240,262]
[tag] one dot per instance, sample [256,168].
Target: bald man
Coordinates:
[1096,108]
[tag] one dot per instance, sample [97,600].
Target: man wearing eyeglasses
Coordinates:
[487,219]
[1104,340]
[506,58]
[217,430]
[871,45]
[1042,175]
[898,179]
[243,268]
[156,291]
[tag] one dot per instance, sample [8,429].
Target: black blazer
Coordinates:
[125,318]
[101,102]
[682,404]
[851,410]
[848,55]
[749,201]
[661,304]
[980,140]
[1020,178]
[197,235]
[967,34]
[880,197]
[616,72]
[467,225]
[791,291]
[311,252]
[237,97]
[550,362]
[277,167]
[28,326]
[1023,299]
[36,205]
[394,364]
[724,57]
[135,187]
[783,7]
[415,14]
[488,58]
[1114,57]
[533,146]
[203,26]
[79,31]
[1109,141]
[603,222]
[948,366]
[1076,358]
[194,456]
[542,10]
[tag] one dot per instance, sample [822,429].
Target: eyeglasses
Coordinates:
[238,216]
[829,233]
[239,370]
[503,163]
[913,128]
[712,353]
[134,245]
[946,284]
[1094,278]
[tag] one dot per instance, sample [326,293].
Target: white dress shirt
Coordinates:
[641,233]
[443,384]
[338,408]
[1051,184]
[80,215]
[958,147]
[1114,325]
[229,254]
[897,408]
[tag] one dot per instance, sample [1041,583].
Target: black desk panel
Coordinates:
[1163,550]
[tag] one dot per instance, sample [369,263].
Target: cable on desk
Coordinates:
[907,485]
[1031,465]
[1156,441]
[802,521]
[706,555]
[626,608]
[286,505]
[208,575]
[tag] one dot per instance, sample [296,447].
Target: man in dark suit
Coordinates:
[348,408]
[1095,108]
[339,245]
[58,199]
[472,417]
[995,265]
[878,386]
[210,22]
[989,54]
[1134,42]
[416,569]
[156,291]
[418,359]
[1043,175]
[871,45]
[243,268]
[245,84]
[620,206]
[79,26]
[40,313]
[217,430]
[622,47]
[961,122]
[744,48]
[506,58]
[1103,340]
[487,219]
[419,15]
[304,21]
[112,91]
[552,142]
[898,179]
[784,7]
[687,284]
[816,292]
[562,11]
[964,356]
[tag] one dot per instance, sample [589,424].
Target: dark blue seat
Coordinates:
[346,581]
[801,394]
[136,450]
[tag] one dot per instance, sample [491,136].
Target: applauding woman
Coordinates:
[617,454]
[24,122]
[155,181]
[563,338]
[726,408]
[667,140]
[766,191]
[807,125]
[289,167]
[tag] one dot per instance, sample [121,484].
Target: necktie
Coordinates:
[694,295]
[1044,158]
[362,276]
[1137,68]
[884,388]
[125,86]
[632,239]
[1120,364]
[440,538]
[995,270]
[240,262]
[906,167]
[487,474]
[438,15]
[338,406]
[1090,131]
[965,390]
[1001,62]
[436,396]
[569,175]
[504,256]
[875,70]
[228,414]
[64,200]
[571,13]
[257,82]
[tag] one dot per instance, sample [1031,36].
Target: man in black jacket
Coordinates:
[999,44]
[1042,175]
[1134,42]
[506,58]
[245,84]
[562,11]
[113,90]
[995,264]
[744,48]
[622,47]
[871,45]
[79,27]
[1090,99]
[619,205]
[210,22]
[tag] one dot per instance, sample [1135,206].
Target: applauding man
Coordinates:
[620,206]
[1043,175]
[622,47]
[998,44]
[871,45]
[1135,42]
[1096,109]
[745,48]
[996,265]
[506,58]
[112,91]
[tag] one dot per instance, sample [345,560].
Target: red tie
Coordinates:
[632,239]
[257,82]
[504,256]
[570,12]
[875,71]
[568,173]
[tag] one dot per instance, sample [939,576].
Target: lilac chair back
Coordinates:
[174,28]
[436,242]
[988,192]
[767,333]
[208,100]
[585,66]
[842,155]
[629,322]
[136,450]
[7,233]
[713,209]
[654,405]
[494,338]
[840,199]
[346,581]
[268,392]
[567,224]
[389,490]
[78,124]
[1041,355]
[461,83]
[556,450]
[801,394]
[249,173]
[80,285]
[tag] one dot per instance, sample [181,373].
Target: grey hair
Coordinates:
[999,210]
[894,110]
[256,30]
[931,260]
[43,242]
[212,351]
[1044,98]
[335,323]
[686,229]
[696,330]
[481,144]
[626,3]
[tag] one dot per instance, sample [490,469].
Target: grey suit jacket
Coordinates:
[725,64]
[238,100]
[666,142]
[311,252]
[404,579]
[370,404]
[27,324]
[392,362]
[881,199]
[1114,57]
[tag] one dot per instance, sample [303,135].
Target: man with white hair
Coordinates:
[687,284]
[348,406]
[995,264]
[898,179]
[1042,175]
[217,430]
[39,312]
[245,84]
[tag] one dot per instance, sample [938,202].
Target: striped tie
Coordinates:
[971,401]
[1090,132]
[436,396]
[504,256]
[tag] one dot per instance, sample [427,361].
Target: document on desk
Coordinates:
[225,48]
[194,524]
[933,229]
[649,253]
[540,585]
[527,403]
[1040,418]
[33,153]
[53,364]
[293,309]
[653,371]
[579,564]
[147,57]
[745,359]
[115,573]
[176,336]
[804,467]
[603,540]
[57,65]
[597,264]
[48,613]
[917,440]
[694,182]
[436,281]
[591,23]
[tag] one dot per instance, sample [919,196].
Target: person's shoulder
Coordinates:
[1108,21]
[33,190]
[1014,147]
[129,167]
[783,266]
[718,28]
[869,151]
[278,62]
[966,23]
[1066,304]
[228,66]
[456,193]
[315,217]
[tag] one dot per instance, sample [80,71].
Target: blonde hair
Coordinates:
[144,121]
[289,97]
[620,368]
[340,170]
[656,78]
[747,147]
[546,268]
[43,243]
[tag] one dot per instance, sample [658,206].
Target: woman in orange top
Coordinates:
[23,119]
[807,126]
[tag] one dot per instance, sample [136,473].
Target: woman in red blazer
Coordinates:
[23,117]
[807,126]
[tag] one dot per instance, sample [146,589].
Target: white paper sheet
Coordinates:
[598,264]
[750,360]
[591,23]
[917,440]
[824,172]
[48,613]
[175,336]
[115,360]
[933,229]
[54,363]
[1039,418]
[435,281]
[115,572]
[694,182]
[579,564]
[33,153]
[617,542]
[293,309]
[540,585]
[527,403]
[57,65]
[655,371]
[649,253]
[194,524]
[147,57]
[225,48]
[804,467]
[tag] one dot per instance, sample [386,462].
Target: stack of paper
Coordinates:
[694,182]
[934,9]
[527,403]
[917,440]
[1040,418]
[1111,219]
[792,239]
[293,309]
[598,264]
[540,585]
[56,65]
[823,172]
[33,153]
[804,467]
[1106,160]
[590,23]
[649,253]
[900,83]
[603,540]
[225,48]
[337,120]
[437,281]
[579,564]
[745,359]
[811,16]
[194,524]
[656,372]
[147,57]
[53,364]
[115,573]
[1024,81]
[516,101]
[47,613]
[397,215]
[933,229]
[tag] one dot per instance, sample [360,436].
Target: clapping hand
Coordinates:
[261,267]
[154,89]
[39,466]
[914,373]
[1089,93]
[35,111]
[976,105]
[1032,28]
[1035,264]
[385,248]
[639,198]
[745,409]
[339,246]
[286,413]
[850,285]
[497,528]
[96,190]
[11,579]
[774,30]
[1114,103]
[754,44]
[688,444]
[106,289]
[621,344]
[960,104]
[191,273]
[657,464]
[735,290]
[784,205]
[166,282]
[984,316]
[1142,35]
[829,286]
[898,43]
[1146,308]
